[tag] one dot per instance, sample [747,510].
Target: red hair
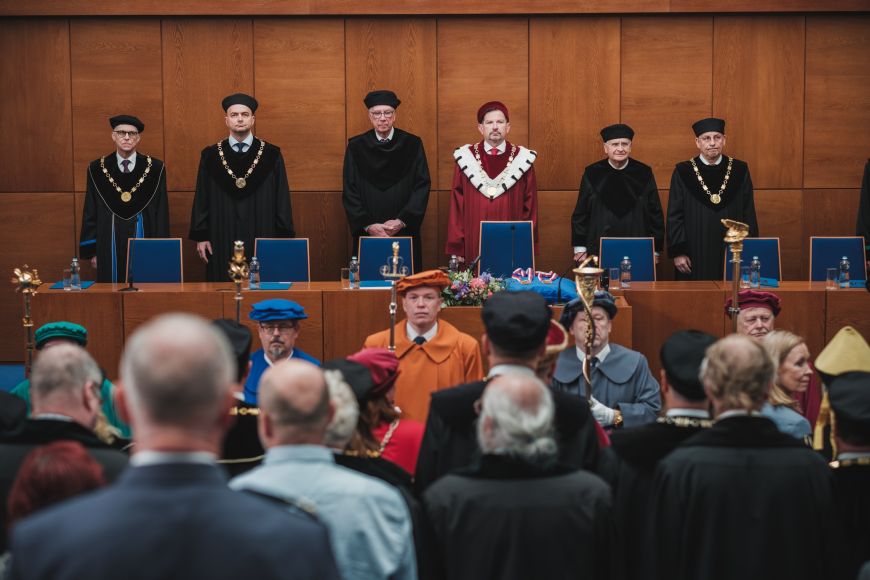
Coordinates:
[52,473]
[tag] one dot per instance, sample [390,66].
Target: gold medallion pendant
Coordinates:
[491,191]
[715,198]
[241,183]
[126,196]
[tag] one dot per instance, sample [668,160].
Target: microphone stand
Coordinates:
[130,287]
[513,247]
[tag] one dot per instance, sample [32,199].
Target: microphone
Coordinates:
[559,290]
[513,247]
[473,264]
[130,287]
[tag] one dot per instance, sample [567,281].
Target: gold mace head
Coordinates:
[586,278]
[735,231]
[238,266]
[26,280]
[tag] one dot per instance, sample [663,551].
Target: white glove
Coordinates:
[602,413]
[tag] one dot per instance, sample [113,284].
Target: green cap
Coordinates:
[62,330]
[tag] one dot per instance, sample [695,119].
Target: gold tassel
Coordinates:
[826,419]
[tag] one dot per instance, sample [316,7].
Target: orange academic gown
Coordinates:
[449,359]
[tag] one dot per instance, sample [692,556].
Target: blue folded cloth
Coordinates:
[59,285]
[273,286]
[374,284]
[769,282]
[550,292]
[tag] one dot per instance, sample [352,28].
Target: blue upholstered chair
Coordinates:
[767,250]
[373,253]
[283,259]
[506,246]
[641,252]
[827,252]
[154,260]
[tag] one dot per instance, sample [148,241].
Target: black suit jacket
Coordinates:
[450,439]
[35,432]
[171,521]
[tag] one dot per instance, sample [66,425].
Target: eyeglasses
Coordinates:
[130,134]
[384,114]
[282,328]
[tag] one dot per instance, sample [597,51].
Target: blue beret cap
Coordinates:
[276,309]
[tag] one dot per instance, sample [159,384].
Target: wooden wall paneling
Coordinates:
[758,69]
[467,78]
[180,204]
[204,60]
[116,69]
[35,105]
[847,307]
[443,201]
[574,91]
[433,255]
[827,212]
[396,54]
[780,214]
[554,230]
[667,84]
[99,312]
[300,84]
[319,216]
[38,229]
[803,313]
[837,100]
[665,268]
[140,307]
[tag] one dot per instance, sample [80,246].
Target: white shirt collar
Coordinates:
[697,413]
[429,335]
[581,354]
[269,361]
[705,162]
[737,413]
[53,417]
[157,457]
[502,147]
[389,137]
[131,158]
[609,162]
[249,140]
[505,369]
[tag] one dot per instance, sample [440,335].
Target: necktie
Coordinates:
[420,340]
[385,140]
[240,147]
[493,151]
[593,362]
[126,164]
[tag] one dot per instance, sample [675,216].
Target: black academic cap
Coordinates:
[240,342]
[707,125]
[601,298]
[849,394]
[127,120]
[358,376]
[617,131]
[681,356]
[240,99]
[516,322]
[375,98]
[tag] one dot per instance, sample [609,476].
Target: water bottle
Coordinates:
[353,267]
[75,273]
[453,264]
[844,272]
[755,272]
[254,274]
[625,273]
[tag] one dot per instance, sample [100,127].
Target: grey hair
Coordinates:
[63,368]
[737,372]
[343,425]
[178,370]
[519,411]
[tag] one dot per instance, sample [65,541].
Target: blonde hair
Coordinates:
[778,345]
[737,372]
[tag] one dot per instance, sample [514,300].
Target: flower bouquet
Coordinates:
[466,289]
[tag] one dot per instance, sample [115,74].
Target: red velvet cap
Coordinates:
[492,106]
[756,299]
[383,366]
[557,338]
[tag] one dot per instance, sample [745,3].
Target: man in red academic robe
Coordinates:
[493,181]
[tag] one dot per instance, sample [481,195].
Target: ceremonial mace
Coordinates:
[27,282]
[586,280]
[238,273]
[734,235]
[393,271]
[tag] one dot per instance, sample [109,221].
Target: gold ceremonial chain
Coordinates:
[685,422]
[388,435]
[492,188]
[253,411]
[126,196]
[241,181]
[714,197]
[850,462]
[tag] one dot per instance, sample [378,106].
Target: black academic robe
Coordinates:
[223,213]
[863,226]
[385,181]
[742,500]
[617,203]
[450,438]
[108,221]
[852,495]
[694,222]
[636,453]
[505,518]
[242,450]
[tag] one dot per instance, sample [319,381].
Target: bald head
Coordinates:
[66,380]
[737,374]
[294,399]
[517,418]
[177,371]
